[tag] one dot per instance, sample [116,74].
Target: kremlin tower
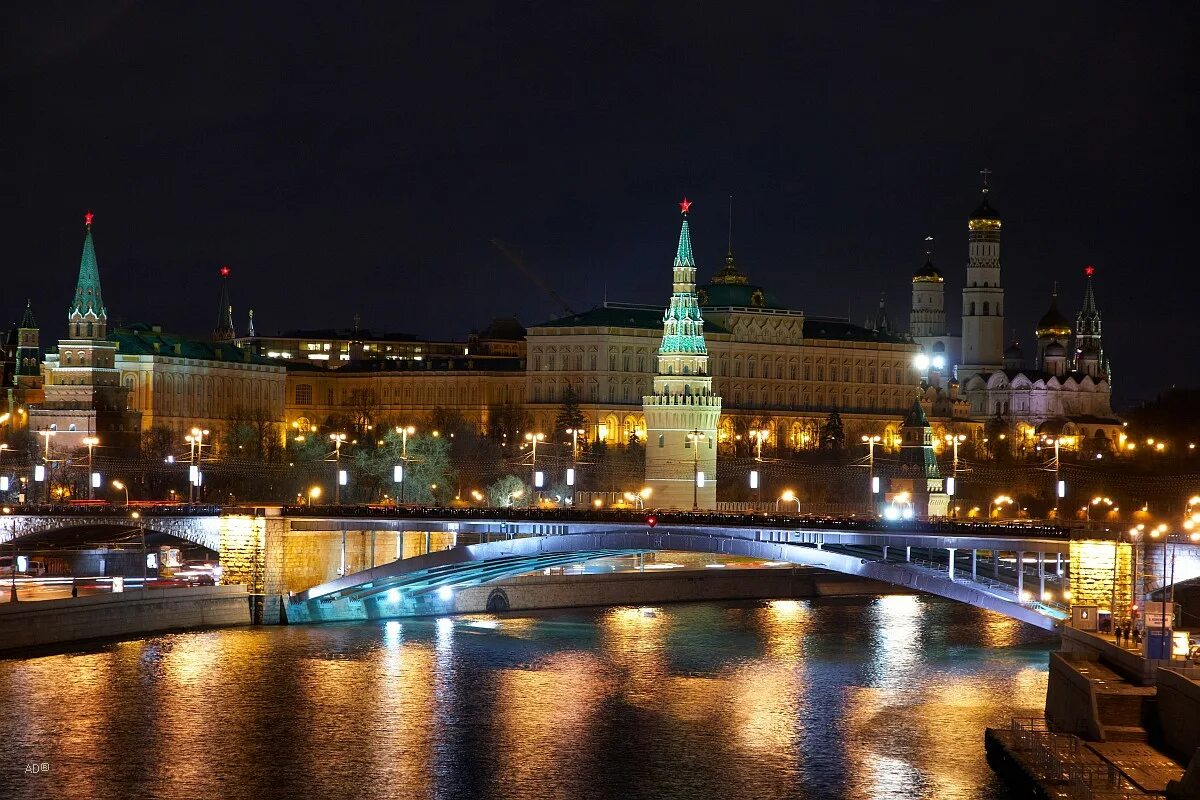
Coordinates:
[682,414]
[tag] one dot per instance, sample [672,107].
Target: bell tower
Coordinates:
[983,298]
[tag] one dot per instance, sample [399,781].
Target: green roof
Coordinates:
[87,288]
[142,340]
[621,316]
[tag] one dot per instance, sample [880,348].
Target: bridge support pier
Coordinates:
[885,552]
[1020,576]
[1041,568]
[996,564]
[950,563]
[974,564]
[908,554]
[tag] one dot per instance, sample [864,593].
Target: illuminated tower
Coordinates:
[682,414]
[1089,352]
[28,372]
[927,318]
[83,390]
[224,331]
[1052,329]
[983,299]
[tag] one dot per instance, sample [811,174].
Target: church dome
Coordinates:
[985,211]
[1014,352]
[731,288]
[1053,323]
[1055,350]
[928,274]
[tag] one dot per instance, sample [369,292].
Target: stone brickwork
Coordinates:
[243,547]
[308,558]
[1094,567]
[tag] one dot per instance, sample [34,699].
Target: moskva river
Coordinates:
[872,698]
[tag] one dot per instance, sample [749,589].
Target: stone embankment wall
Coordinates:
[51,622]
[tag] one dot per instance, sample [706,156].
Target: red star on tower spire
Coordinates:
[685,205]
[1089,270]
[87,218]
[225,270]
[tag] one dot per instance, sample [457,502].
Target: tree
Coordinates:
[506,421]
[570,416]
[833,435]
[508,491]
[428,466]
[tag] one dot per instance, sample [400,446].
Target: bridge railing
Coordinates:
[778,520]
[146,509]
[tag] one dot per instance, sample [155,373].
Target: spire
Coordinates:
[224,331]
[1089,309]
[250,327]
[683,253]
[88,305]
[882,324]
[683,327]
[27,321]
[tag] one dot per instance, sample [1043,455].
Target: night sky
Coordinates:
[358,158]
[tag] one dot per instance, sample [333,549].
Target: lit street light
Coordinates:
[533,439]
[337,439]
[1000,500]
[121,485]
[872,488]
[91,442]
[788,497]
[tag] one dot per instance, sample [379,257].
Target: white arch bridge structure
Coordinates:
[944,562]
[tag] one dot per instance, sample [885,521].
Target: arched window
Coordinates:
[972,311]
[986,309]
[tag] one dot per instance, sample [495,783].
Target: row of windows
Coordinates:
[808,371]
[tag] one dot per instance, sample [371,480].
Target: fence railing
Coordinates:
[1062,759]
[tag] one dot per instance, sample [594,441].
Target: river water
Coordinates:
[873,698]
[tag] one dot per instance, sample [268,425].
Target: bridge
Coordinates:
[319,555]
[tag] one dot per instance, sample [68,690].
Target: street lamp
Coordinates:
[91,442]
[999,500]
[47,435]
[954,441]
[337,439]
[120,485]
[405,431]
[137,518]
[12,532]
[788,497]
[533,439]
[313,494]
[759,435]
[1095,501]
[571,474]
[695,437]
[872,489]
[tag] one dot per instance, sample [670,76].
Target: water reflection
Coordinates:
[857,698]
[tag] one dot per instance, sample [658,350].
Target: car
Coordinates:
[198,572]
[33,567]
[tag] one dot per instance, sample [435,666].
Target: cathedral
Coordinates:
[1064,393]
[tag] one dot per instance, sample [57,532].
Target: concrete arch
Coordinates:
[472,565]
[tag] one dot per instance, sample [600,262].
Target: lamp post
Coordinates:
[46,435]
[999,500]
[12,532]
[696,437]
[788,497]
[91,442]
[954,441]
[195,441]
[871,441]
[121,485]
[533,439]
[574,475]
[1095,501]
[759,435]
[137,518]
[405,431]
[337,439]
[313,493]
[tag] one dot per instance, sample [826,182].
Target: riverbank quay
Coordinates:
[40,623]
[1116,725]
[539,592]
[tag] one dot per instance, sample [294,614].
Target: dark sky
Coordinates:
[352,158]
